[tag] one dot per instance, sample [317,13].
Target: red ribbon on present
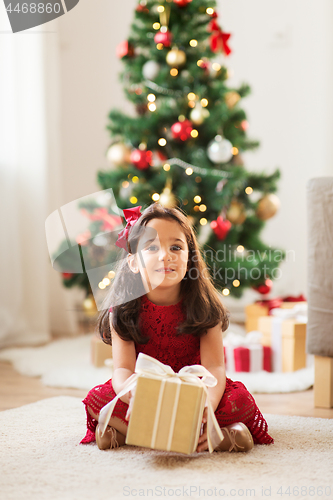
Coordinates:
[300,298]
[270,303]
[131,215]
[274,303]
[218,40]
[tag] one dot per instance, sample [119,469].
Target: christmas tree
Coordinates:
[183,146]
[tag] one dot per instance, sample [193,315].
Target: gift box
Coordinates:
[99,351]
[166,415]
[285,333]
[168,407]
[263,308]
[246,354]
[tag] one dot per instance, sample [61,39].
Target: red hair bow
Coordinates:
[131,215]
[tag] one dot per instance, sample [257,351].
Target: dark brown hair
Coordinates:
[201,301]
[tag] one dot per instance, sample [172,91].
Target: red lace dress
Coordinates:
[159,324]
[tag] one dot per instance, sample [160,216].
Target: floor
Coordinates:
[17,390]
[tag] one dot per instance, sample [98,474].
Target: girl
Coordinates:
[165,305]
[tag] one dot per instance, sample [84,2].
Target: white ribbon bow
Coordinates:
[299,312]
[151,367]
[238,340]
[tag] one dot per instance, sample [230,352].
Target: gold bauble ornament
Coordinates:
[118,154]
[89,306]
[238,160]
[236,213]
[176,58]
[167,198]
[231,98]
[268,206]
[198,114]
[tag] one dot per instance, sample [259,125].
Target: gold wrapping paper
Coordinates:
[293,339]
[149,367]
[166,415]
[255,311]
[99,351]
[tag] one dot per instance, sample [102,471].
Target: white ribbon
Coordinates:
[238,340]
[276,343]
[150,367]
[298,313]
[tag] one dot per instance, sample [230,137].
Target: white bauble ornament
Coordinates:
[118,154]
[198,114]
[125,192]
[150,70]
[219,150]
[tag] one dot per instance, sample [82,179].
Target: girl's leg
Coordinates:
[238,405]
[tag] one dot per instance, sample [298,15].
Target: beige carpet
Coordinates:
[41,458]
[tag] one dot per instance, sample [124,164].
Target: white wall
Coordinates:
[282,48]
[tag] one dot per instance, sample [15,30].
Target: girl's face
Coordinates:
[162,257]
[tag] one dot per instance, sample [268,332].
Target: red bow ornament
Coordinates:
[109,221]
[131,215]
[218,40]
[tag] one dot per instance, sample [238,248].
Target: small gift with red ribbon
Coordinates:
[264,307]
[246,353]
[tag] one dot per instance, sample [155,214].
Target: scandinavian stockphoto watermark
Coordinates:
[82,237]
[25,14]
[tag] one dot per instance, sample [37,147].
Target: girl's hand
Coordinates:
[203,443]
[130,404]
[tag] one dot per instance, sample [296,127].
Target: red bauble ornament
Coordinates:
[125,49]
[67,276]
[182,3]
[265,288]
[142,8]
[158,159]
[165,38]
[244,125]
[182,130]
[221,227]
[141,159]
